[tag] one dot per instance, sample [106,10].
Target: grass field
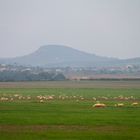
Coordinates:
[64,110]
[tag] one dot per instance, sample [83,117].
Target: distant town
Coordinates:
[29,73]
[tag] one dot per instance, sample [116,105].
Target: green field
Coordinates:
[64,110]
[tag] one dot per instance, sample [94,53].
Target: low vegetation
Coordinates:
[69,113]
[6,76]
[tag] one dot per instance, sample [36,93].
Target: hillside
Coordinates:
[63,56]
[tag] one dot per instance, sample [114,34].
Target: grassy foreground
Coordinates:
[29,113]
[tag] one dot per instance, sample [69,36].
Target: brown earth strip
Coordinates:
[73,84]
[42,128]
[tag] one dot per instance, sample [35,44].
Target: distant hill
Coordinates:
[63,56]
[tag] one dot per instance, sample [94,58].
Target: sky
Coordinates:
[103,27]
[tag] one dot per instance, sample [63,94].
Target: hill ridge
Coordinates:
[64,56]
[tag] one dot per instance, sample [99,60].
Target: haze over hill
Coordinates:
[104,27]
[63,56]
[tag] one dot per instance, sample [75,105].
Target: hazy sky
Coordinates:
[104,27]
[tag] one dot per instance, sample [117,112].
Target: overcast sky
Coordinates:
[104,27]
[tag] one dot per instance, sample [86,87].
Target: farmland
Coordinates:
[64,110]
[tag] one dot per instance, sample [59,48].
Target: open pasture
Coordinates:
[48,111]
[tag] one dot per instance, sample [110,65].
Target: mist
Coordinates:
[103,27]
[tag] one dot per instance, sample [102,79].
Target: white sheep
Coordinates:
[99,105]
[135,104]
[119,105]
[41,101]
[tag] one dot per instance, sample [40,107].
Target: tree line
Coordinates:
[6,76]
